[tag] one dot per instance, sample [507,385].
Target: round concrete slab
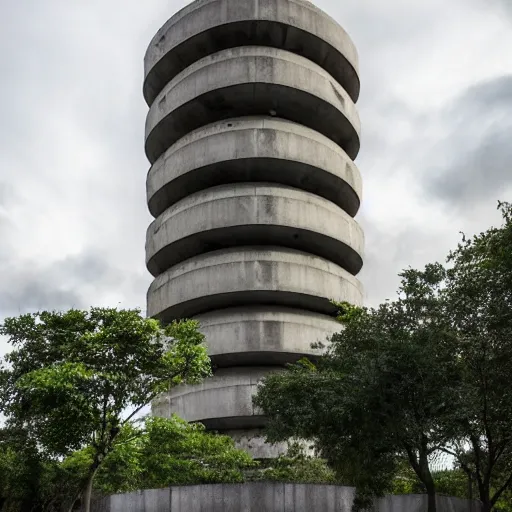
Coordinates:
[221,402]
[205,27]
[252,80]
[254,149]
[253,214]
[247,276]
[264,335]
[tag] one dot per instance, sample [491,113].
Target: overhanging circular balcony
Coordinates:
[208,26]
[221,402]
[253,214]
[252,80]
[254,149]
[264,335]
[248,276]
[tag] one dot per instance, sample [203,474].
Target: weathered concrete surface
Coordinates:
[221,402]
[418,503]
[251,133]
[254,149]
[205,27]
[251,275]
[253,441]
[150,500]
[253,214]
[257,497]
[252,80]
[263,335]
[266,497]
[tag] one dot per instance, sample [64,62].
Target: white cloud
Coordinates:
[72,176]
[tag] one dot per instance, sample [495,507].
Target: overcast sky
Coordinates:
[436,110]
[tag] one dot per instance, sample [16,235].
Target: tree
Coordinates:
[479,296]
[59,482]
[295,466]
[430,371]
[28,478]
[153,453]
[383,391]
[164,452]
[448,482]
[72,376]
[21,467]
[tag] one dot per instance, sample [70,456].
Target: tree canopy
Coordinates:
[21,469]
[72,376]
[151,453]
[164,452]
[479,297]
[381,392]
[427,372]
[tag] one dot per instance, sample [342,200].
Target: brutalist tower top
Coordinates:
[251,133]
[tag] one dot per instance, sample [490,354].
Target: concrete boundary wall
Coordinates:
[266,497]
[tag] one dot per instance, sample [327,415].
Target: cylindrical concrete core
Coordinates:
[251,134]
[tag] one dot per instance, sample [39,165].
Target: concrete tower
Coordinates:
[251,133]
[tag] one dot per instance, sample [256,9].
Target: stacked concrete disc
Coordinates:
[251,133]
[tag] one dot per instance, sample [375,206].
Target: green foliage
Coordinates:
[297,467]
[452,483]
[381,392]
[72,375]
[156,453]
[18,471]
[23,472]
[168,452]
[449,482]
[479,295]
[427,372]
[504,503]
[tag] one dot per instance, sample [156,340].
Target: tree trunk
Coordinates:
[88,490]
[486,506]
[431,498]
[426,477]
[72,506]
[73,501]
[485,496]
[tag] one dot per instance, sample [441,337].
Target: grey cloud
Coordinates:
[503,5]
[491,94]
[388,253]
[37,295]
[71,145]
[71,141]
[474,162]
[32,289]
[73,282]
[7,195]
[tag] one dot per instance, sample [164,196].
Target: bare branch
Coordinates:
[501,490]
